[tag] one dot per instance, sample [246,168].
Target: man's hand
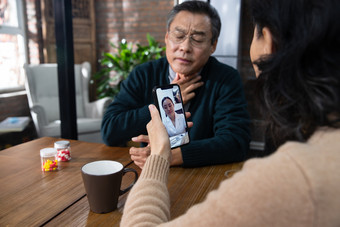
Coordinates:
[158,140]
[156,127]
[140,154]
[188,85]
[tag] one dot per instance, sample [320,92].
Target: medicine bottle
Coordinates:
[64,150]
[49,160]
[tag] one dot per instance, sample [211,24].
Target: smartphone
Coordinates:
[168,100]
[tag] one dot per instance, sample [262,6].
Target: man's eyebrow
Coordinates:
[203,33]
[193,32]
[180,29]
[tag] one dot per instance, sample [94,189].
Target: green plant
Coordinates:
[116,67]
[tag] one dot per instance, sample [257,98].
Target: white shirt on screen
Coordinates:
[179,123]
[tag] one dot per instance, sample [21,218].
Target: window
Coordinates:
[12,46]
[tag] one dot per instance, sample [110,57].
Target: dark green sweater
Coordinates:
[219,112]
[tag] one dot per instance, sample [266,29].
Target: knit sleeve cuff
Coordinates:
[157,168]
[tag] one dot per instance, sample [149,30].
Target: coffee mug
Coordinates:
[102,181]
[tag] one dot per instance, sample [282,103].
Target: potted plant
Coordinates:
[115,68]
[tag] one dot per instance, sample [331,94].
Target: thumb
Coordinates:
[141,139]
[177,77]
[154,113]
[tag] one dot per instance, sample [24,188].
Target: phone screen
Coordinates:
[168,100]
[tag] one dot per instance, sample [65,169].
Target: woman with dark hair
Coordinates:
[295,53]
[174,122]
[298,85]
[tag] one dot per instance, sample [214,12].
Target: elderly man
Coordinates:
[212,92]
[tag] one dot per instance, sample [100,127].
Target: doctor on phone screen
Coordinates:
[174,122]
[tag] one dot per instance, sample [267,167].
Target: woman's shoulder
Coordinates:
[180,115]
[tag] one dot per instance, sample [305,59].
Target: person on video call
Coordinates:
[295,54]
[211,91]
[174,122]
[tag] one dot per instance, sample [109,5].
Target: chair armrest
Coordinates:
[97,108]
[39,118]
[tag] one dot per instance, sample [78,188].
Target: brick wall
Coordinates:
[130,19]
[34,35]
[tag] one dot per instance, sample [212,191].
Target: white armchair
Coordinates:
[43,98]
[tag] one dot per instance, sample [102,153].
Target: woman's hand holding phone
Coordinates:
[169,101]
[140,154]
[158,136]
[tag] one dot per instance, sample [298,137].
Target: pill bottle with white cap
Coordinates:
[64,150]
[49,160]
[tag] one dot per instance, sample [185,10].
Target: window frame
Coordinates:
[19,30]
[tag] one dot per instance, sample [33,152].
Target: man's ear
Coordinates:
[166,37]
[213,47]
[268,41]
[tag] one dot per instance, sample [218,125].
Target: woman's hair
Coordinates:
[198,7]
[166,97]
[299,84]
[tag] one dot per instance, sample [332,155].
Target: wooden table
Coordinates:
[31,197]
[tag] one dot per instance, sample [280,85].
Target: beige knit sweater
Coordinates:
[299,185]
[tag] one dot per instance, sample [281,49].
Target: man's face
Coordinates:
[188,42]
